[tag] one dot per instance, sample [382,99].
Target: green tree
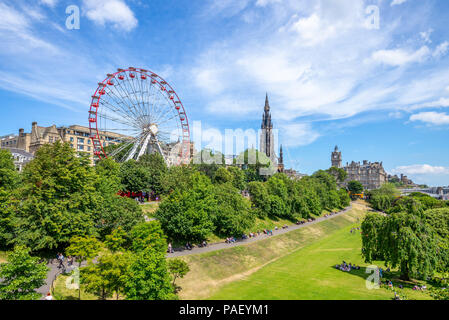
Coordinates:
[147,277]
[402,240]
[116,241]
[9,177]
[338,173]
[155,165]
[238,177]
[277,207]
[185,215]
[21,276]
[233,215]
[148,235]
[117,211]
[223,176]
[107,276]
[58,198]
[134,177]
[178,269]
[355,187]
[345,200]
[177,177]
[83,248]
[259,196]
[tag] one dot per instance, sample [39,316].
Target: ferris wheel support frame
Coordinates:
[95,133]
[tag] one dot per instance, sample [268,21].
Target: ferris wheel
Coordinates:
[137,112]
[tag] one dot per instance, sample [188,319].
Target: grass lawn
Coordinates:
[211,271]
[295,265]
[309,274]
[149,208]
[61,292]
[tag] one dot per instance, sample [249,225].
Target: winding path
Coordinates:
[55,271]
[222,245]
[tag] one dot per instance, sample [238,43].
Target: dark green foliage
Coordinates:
[134,177]
[117,212]
[185,215]
[116,241]
[238,177]
[9,177]
[283,197]
[355,187]
[338,173]
[178,269]
[148,235]
[277,207]
[147,277]
[233,215]
[156,167]
[383,198]
[21,276]
[223,176]
[106,276]
[58,198]
[403,240]
[259,196]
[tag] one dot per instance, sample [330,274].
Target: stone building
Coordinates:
[21,158]
[8,141]
[370,174]
[77,136]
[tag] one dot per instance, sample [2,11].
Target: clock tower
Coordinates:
[336,158]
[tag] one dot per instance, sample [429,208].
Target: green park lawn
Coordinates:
[309,274]
[295,265]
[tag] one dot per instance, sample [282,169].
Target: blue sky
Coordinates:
[333,77]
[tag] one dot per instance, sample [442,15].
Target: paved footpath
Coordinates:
[239,242]
[55,271]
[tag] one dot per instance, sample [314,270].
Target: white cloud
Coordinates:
[399,57]
[16,31]
[263,3]
[421,169]
[315,60]
[297,134]
[441,50]
[115,12]
[50,3]
[397,2]
[312,30]
[434,118]
[441,103]
[425,35]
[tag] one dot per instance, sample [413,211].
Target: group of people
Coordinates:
[347,267]
[60,258]
[231,240]
[268,232]
[354,230]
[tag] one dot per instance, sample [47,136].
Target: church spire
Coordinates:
[267,104]
[281,156]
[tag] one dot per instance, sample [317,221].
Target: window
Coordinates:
[81,140]
[71,139]
[50,139]
[88,148]
[71,145]
[80,147]
[88,141]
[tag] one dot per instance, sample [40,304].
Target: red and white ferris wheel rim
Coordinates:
[136,76]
